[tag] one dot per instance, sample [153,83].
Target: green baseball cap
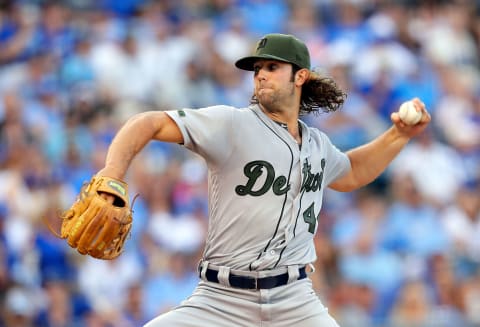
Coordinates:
[281,47]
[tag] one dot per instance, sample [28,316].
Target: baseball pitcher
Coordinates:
[267,174]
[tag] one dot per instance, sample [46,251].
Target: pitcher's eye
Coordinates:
[272,67]
[256,69]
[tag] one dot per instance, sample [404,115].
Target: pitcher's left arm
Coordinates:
[370,160]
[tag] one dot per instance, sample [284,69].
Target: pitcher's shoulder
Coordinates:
[315,133]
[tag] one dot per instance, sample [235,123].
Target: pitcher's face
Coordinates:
[274,87]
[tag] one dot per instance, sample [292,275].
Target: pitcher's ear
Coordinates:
[302,76]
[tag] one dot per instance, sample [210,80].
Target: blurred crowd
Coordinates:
[401,252]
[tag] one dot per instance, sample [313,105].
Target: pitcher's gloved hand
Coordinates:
[100,220]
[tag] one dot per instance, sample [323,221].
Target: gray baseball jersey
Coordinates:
[265,191]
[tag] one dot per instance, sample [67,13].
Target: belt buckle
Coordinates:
[256,282]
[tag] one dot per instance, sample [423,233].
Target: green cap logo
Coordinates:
[262,43]
[281,47]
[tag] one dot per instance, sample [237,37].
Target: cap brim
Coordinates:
[246,63]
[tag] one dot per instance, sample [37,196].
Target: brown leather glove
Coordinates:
[95,226]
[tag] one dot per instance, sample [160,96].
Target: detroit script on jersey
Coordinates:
[265,192]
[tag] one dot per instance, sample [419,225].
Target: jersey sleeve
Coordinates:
[206,131]
[338,163]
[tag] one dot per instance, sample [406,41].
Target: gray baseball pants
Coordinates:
[216,305]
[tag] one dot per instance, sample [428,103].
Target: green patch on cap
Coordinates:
[281,47]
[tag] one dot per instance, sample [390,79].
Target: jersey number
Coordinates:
[310,219]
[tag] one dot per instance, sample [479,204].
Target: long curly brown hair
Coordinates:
[319,94]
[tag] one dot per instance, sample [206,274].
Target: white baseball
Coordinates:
[408,114]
